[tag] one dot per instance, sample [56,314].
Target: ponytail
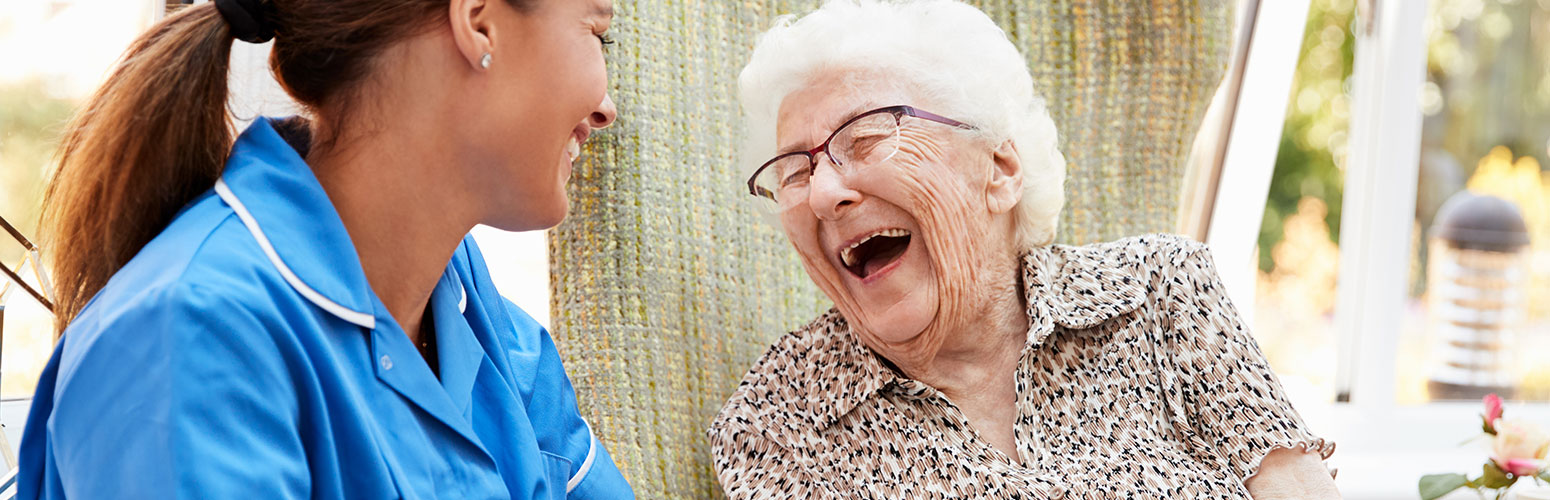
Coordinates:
[157,133]
[152,138]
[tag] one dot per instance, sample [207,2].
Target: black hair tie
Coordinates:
[249,19]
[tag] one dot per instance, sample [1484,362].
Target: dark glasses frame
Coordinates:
[812,154]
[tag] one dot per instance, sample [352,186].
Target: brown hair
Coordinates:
[157,133]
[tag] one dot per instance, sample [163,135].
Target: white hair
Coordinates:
[948,52]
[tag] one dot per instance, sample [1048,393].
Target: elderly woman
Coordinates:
[916,173]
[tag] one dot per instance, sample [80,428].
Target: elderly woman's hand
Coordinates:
[1292,474]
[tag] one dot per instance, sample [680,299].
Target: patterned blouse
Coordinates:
[1138,380]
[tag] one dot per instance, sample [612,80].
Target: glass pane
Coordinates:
[26,325]
[49,67]
[1298,257]
[1480,281]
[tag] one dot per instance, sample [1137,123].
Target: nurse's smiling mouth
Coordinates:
[573,146]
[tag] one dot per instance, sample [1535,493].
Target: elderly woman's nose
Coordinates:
[828,194]
[604,115]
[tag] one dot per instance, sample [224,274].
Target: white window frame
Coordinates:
[1387,447]
[1384,448]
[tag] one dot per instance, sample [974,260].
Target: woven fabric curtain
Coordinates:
[666,283]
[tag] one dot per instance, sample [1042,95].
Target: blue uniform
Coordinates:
[242,354]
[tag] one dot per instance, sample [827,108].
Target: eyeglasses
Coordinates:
[868,139]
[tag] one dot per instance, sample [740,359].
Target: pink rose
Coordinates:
[1522,466]
[1519,447]
[1493,411]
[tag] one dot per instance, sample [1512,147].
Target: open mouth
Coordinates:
[572,149]
[874,252]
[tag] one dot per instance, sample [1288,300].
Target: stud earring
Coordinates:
[484,62]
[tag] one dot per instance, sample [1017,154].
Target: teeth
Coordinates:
[847,255]
[572,150]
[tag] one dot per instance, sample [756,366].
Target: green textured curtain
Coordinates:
[667,285]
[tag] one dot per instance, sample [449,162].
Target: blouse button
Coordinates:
[387,363]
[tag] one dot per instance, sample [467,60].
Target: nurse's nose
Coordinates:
[604,115]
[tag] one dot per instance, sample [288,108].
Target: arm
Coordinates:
[551,406]
[1236,413]
[750,467]
[184,396]
[1292,474]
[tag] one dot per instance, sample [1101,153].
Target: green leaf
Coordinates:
[1544,475]
[1434,486]
[1495,477]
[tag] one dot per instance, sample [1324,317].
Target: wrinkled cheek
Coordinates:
[945,211]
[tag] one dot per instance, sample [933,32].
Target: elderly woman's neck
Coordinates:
[983,352]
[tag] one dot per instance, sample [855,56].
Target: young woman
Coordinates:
[299,312]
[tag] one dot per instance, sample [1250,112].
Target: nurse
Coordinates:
[297,312]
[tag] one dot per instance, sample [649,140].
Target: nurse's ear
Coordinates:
[473,31]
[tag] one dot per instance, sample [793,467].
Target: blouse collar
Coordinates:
[1073,287]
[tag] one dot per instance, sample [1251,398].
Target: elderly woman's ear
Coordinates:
[1005,187]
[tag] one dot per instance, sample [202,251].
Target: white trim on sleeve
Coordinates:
[586,465]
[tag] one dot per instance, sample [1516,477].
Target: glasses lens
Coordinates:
[781,177]
[868,141]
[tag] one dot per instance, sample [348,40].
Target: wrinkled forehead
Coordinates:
[809,114]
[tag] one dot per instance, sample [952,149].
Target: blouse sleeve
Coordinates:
[750,466]
[1232,401]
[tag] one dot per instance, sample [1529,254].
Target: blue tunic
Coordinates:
[242,354]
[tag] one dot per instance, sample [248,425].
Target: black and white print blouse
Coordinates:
[1138,380]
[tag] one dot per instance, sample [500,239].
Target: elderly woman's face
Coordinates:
[899,246]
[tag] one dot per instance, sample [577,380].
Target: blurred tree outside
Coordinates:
[1486,126]
[1487,129]
[1311,160]
[1488,85]
[1297,249]
[31,120]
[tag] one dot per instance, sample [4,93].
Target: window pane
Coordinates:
[1298,255]
[1480,281]
[50,65]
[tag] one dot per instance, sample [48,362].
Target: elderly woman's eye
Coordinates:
[794,177]
[864,146]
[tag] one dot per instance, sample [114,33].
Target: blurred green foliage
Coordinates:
[1310,161]
[1488,78]
[1488,85]
[31,121]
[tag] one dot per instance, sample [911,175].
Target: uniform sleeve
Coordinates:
[551,406]
[1233,402]
[186,396]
